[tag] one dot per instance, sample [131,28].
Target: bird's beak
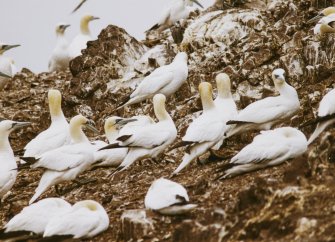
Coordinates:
[90,125]
[315,19]
[8,47]
[66,26]
[4,75]
[95,18]
[18,125]
[196,2]
[122,122]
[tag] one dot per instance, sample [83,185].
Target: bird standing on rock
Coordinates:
[60,59]
[80,41]
[149,140]
[165,80]
[6,64]
[8,166]
[263,114]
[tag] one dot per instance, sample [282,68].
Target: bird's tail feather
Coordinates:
[46,182]
[318,130]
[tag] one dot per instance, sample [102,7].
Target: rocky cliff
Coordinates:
[294,201]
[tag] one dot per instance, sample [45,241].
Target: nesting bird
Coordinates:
[208,130]
[270,148]
[326,115]
[150,140]
[179,9]
[80,41]
[85,219]
[56,135]
[8,166]
[325,21]
[168,198]
[6,64]
[67,162]
[60,59]
[35,217]
[263,114]
[165,80]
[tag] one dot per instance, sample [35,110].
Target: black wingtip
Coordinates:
[317,120]
[58,238]
[123,138]
[115,171]
[180,144]
[156,26]
[16,235]
[30,160]
[111,146]
[238,122]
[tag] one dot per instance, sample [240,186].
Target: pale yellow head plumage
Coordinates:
[328,11]
[223,85]
[60,28]
[205,90]
[84,23]
[55,102]
[91,205]
[159,107]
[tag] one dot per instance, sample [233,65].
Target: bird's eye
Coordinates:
[276,76]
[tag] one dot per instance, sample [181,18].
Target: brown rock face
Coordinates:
[291,202]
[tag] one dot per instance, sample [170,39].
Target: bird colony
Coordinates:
[63,151]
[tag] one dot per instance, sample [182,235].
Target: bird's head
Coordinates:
[85,20]
[182,56]
[89,204]
[323,13]
[278,76]
[5,47]
[55,102]
[7,126]
[223,84]
[60,28]
[190,3]
[81,121]
[116,123]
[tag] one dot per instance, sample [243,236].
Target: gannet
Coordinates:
[165,80]
[179,9]
[4,75]
[112,157]
[326,115]
[35,217]
[149,140]
[67,162]
[84,220]
[168,198]
[80,41]
[8,166]
[60,56]
[79,5]
[263,114]
[205,131]
[330,11]
[270,148]
[56,135]
[5,64]
[325,25]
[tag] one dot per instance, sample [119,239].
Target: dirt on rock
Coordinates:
[291,202]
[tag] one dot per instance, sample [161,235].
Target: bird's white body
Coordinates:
[8,168]
[35,217]
[326,107]
[165,80]
[325,25]
[167,197]
[263,114]
[67,162]
[56,135]
[60,58]
[6,68]
[84,220]
[269,148]
[79,43]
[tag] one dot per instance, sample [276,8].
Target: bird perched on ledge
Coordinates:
[6,65]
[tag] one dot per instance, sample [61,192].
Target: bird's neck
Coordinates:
[4,142]
[161,112]
[224,92]
[77,134]
[207,101]
[84,27]
[56,112]
[111,134]
[287,90]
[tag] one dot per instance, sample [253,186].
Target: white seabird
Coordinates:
[67,162]
[6,64]
[165,80]
[179,9]
[330,11]
[85,219]
[56,135]
[60,59]
[4,75]
[79,5]
[263,114]
[80,41]
[168,198]
[270,148]
[111,157]
[325,25]
[205,131]
[326,115]
[149,140]
[35,217]
[8,168]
